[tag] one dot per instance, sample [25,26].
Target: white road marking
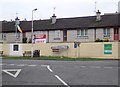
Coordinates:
[16,74]
[48,67]
[82,66]
[21,65]
[95,67]
[1,64]
[44,65]
[32,65]
[11,64]
[62,81]
[108,67]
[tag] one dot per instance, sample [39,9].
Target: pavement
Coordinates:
[60,73]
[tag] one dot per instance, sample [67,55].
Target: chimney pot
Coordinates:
[98,16]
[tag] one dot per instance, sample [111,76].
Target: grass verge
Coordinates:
[50,58]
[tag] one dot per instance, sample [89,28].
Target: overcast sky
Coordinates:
[64,8]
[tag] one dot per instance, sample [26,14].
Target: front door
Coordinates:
[64,35]
[116,34]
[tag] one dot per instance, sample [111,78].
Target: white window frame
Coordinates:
[106,32]
[15,47]
[57,35]
[85,33]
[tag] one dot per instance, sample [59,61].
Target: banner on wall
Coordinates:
[107,48]
[40,38]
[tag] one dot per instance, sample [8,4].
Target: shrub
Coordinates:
[106,40]
[98,40]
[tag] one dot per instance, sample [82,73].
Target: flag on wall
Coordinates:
[19,29]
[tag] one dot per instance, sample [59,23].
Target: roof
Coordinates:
[110,20]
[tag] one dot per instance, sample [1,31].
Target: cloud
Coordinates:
[64,8]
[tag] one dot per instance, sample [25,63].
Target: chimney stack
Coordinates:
[98,16]
[53,19]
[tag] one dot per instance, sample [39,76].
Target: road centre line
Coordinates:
[62,81]
[82,66]
[52,70]
[95,67]
[108,67]
[11,64]
[48,67]
[44,65]
[21,65]
[32,65]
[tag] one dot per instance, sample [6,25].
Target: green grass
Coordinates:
[50,58]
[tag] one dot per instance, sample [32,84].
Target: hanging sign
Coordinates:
[40,38]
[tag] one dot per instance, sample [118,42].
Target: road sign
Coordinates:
[75,45]
[107,48]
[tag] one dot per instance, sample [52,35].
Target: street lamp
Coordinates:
[32,32]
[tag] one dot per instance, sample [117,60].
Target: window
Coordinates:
[57,35]
[82,32]
[106,32]
[4,36]
[15,47]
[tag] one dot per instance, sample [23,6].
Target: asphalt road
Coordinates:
[60,73]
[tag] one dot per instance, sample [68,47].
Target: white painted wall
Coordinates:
[52,36]
[1,49]
[119,33]
[99,33]
[1,37]
[71,35]
[11,37]
[112,34]
[91,35]
[16,53]
[28,34]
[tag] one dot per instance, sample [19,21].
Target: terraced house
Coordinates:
[81,29]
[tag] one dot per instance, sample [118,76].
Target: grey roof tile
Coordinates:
[111,20]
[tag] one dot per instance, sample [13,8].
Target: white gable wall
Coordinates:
[91,35]
[11,37]
[111,34]
[71,35]
[53,37]
[99,33]
[119,33]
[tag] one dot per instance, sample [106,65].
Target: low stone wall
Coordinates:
[1,47]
